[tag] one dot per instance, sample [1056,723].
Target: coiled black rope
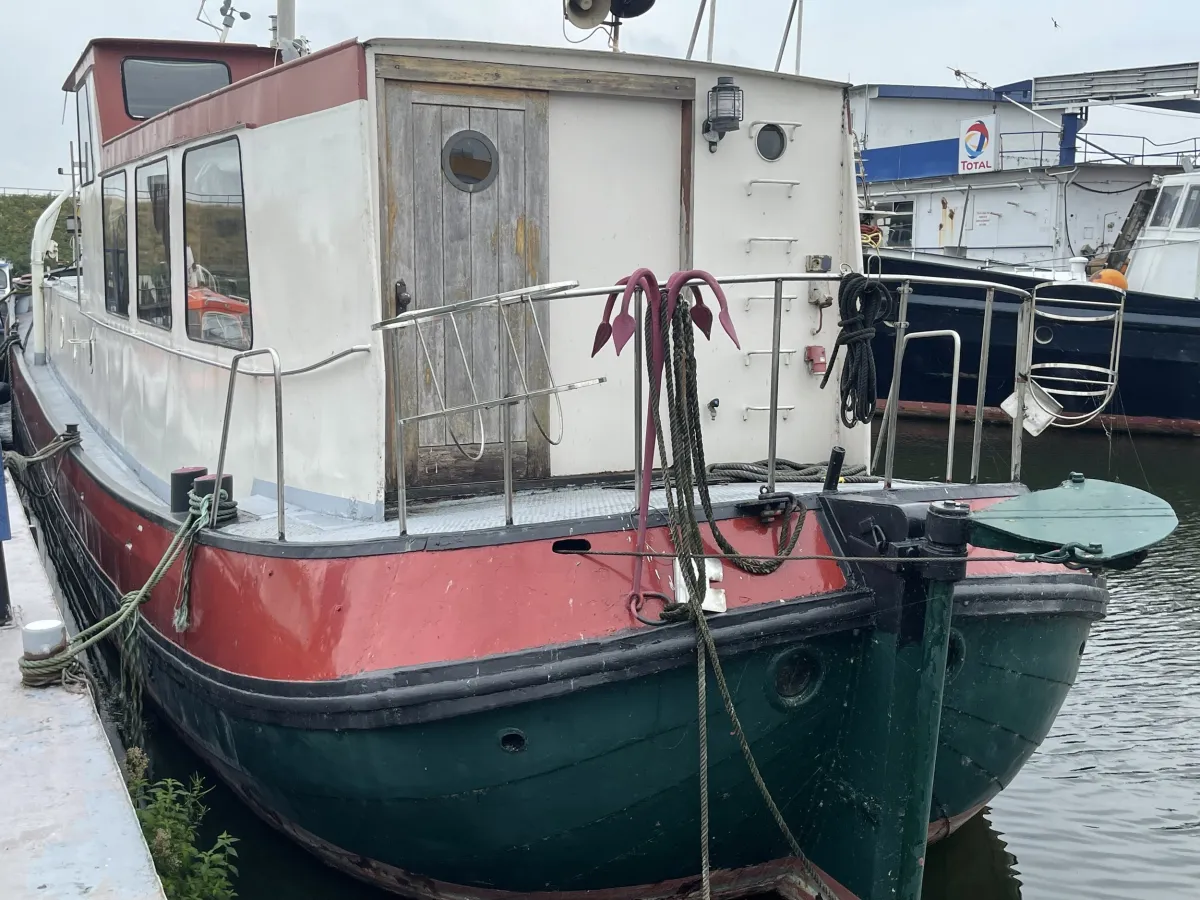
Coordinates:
[863,303]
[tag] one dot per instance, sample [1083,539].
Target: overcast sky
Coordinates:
[903,41]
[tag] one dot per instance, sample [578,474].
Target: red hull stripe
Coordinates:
[316,619]
[311,619]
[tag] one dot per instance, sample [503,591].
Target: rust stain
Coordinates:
[529,246]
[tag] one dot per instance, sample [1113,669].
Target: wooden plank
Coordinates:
[456,287]
[687,147]
[533,78]
[396,227]
[465,95]
[537,266]
[510,190]
[485,279]
[427,256]
[445,465]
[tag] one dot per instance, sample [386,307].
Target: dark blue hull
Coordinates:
[1158,387]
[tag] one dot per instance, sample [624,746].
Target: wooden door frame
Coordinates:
[412,76]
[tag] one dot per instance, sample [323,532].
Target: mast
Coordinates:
[285,21]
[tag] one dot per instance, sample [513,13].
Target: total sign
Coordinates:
[977,144]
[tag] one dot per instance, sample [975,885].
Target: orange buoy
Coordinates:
[1113,277]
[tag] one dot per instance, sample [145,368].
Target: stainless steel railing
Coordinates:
[277,371]
[1024,371]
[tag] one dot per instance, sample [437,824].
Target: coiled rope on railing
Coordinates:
[687,474]
[863,304]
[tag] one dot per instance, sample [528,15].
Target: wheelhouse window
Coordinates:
[156,85]
[116,244]
[153,245]
[84,156]
[1164,210]
[1189,217]
[214,237]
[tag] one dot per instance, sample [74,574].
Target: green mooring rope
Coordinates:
[53,669]
[689,473]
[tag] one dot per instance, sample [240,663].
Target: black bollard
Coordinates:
[833,472]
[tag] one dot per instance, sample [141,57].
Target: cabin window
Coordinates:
[116,244]
[153,245]
[1164,210]
[156,85]
[214,238]
[469,161]
[83,122]
[771,142]
[1190,216]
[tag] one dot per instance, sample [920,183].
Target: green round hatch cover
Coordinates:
[1102,522]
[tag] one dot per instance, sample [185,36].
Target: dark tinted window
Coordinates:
[469,161]
[1190,217]
[214,236]
[154,245]
[1164,211]
[84,155]
[771,142]
[155,85]
[116,245]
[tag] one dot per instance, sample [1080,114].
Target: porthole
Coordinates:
[512,740]
[470,161]
[795,677]
[771,142]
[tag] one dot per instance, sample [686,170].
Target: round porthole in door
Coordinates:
[470,161]
[771,142]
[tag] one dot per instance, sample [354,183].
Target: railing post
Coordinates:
[638,366]
[506,426]
[277,371]
[773,428]
[392,336]
[893,408]
[981,386]
[1020,379]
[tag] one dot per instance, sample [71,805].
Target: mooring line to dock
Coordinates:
[54,669]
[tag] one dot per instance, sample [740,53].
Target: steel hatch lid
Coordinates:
[1104,522]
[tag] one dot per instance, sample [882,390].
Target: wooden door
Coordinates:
[464,215]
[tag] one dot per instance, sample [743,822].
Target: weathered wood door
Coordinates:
[464,181]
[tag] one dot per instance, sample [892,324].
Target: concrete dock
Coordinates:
[67,826]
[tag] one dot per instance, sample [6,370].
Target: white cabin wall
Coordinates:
[633,167]
[311,232]
[816,215]
[614,208]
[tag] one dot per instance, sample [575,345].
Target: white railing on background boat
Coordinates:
[1023,368]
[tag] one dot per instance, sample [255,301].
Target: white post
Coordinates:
[285,22]
[43,233]
[799,31]
[712,27]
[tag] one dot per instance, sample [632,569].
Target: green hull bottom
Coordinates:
[599,788]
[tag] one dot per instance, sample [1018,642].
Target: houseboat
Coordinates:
[437,632]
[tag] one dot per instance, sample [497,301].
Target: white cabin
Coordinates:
[1166,256]
[229,202]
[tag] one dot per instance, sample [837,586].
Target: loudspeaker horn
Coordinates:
[586,13]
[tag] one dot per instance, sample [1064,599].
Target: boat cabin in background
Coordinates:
[1010,174]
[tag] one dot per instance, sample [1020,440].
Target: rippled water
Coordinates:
[1109,807]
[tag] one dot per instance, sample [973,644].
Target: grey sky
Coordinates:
[909,41]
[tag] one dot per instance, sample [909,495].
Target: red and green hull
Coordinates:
[475,715]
